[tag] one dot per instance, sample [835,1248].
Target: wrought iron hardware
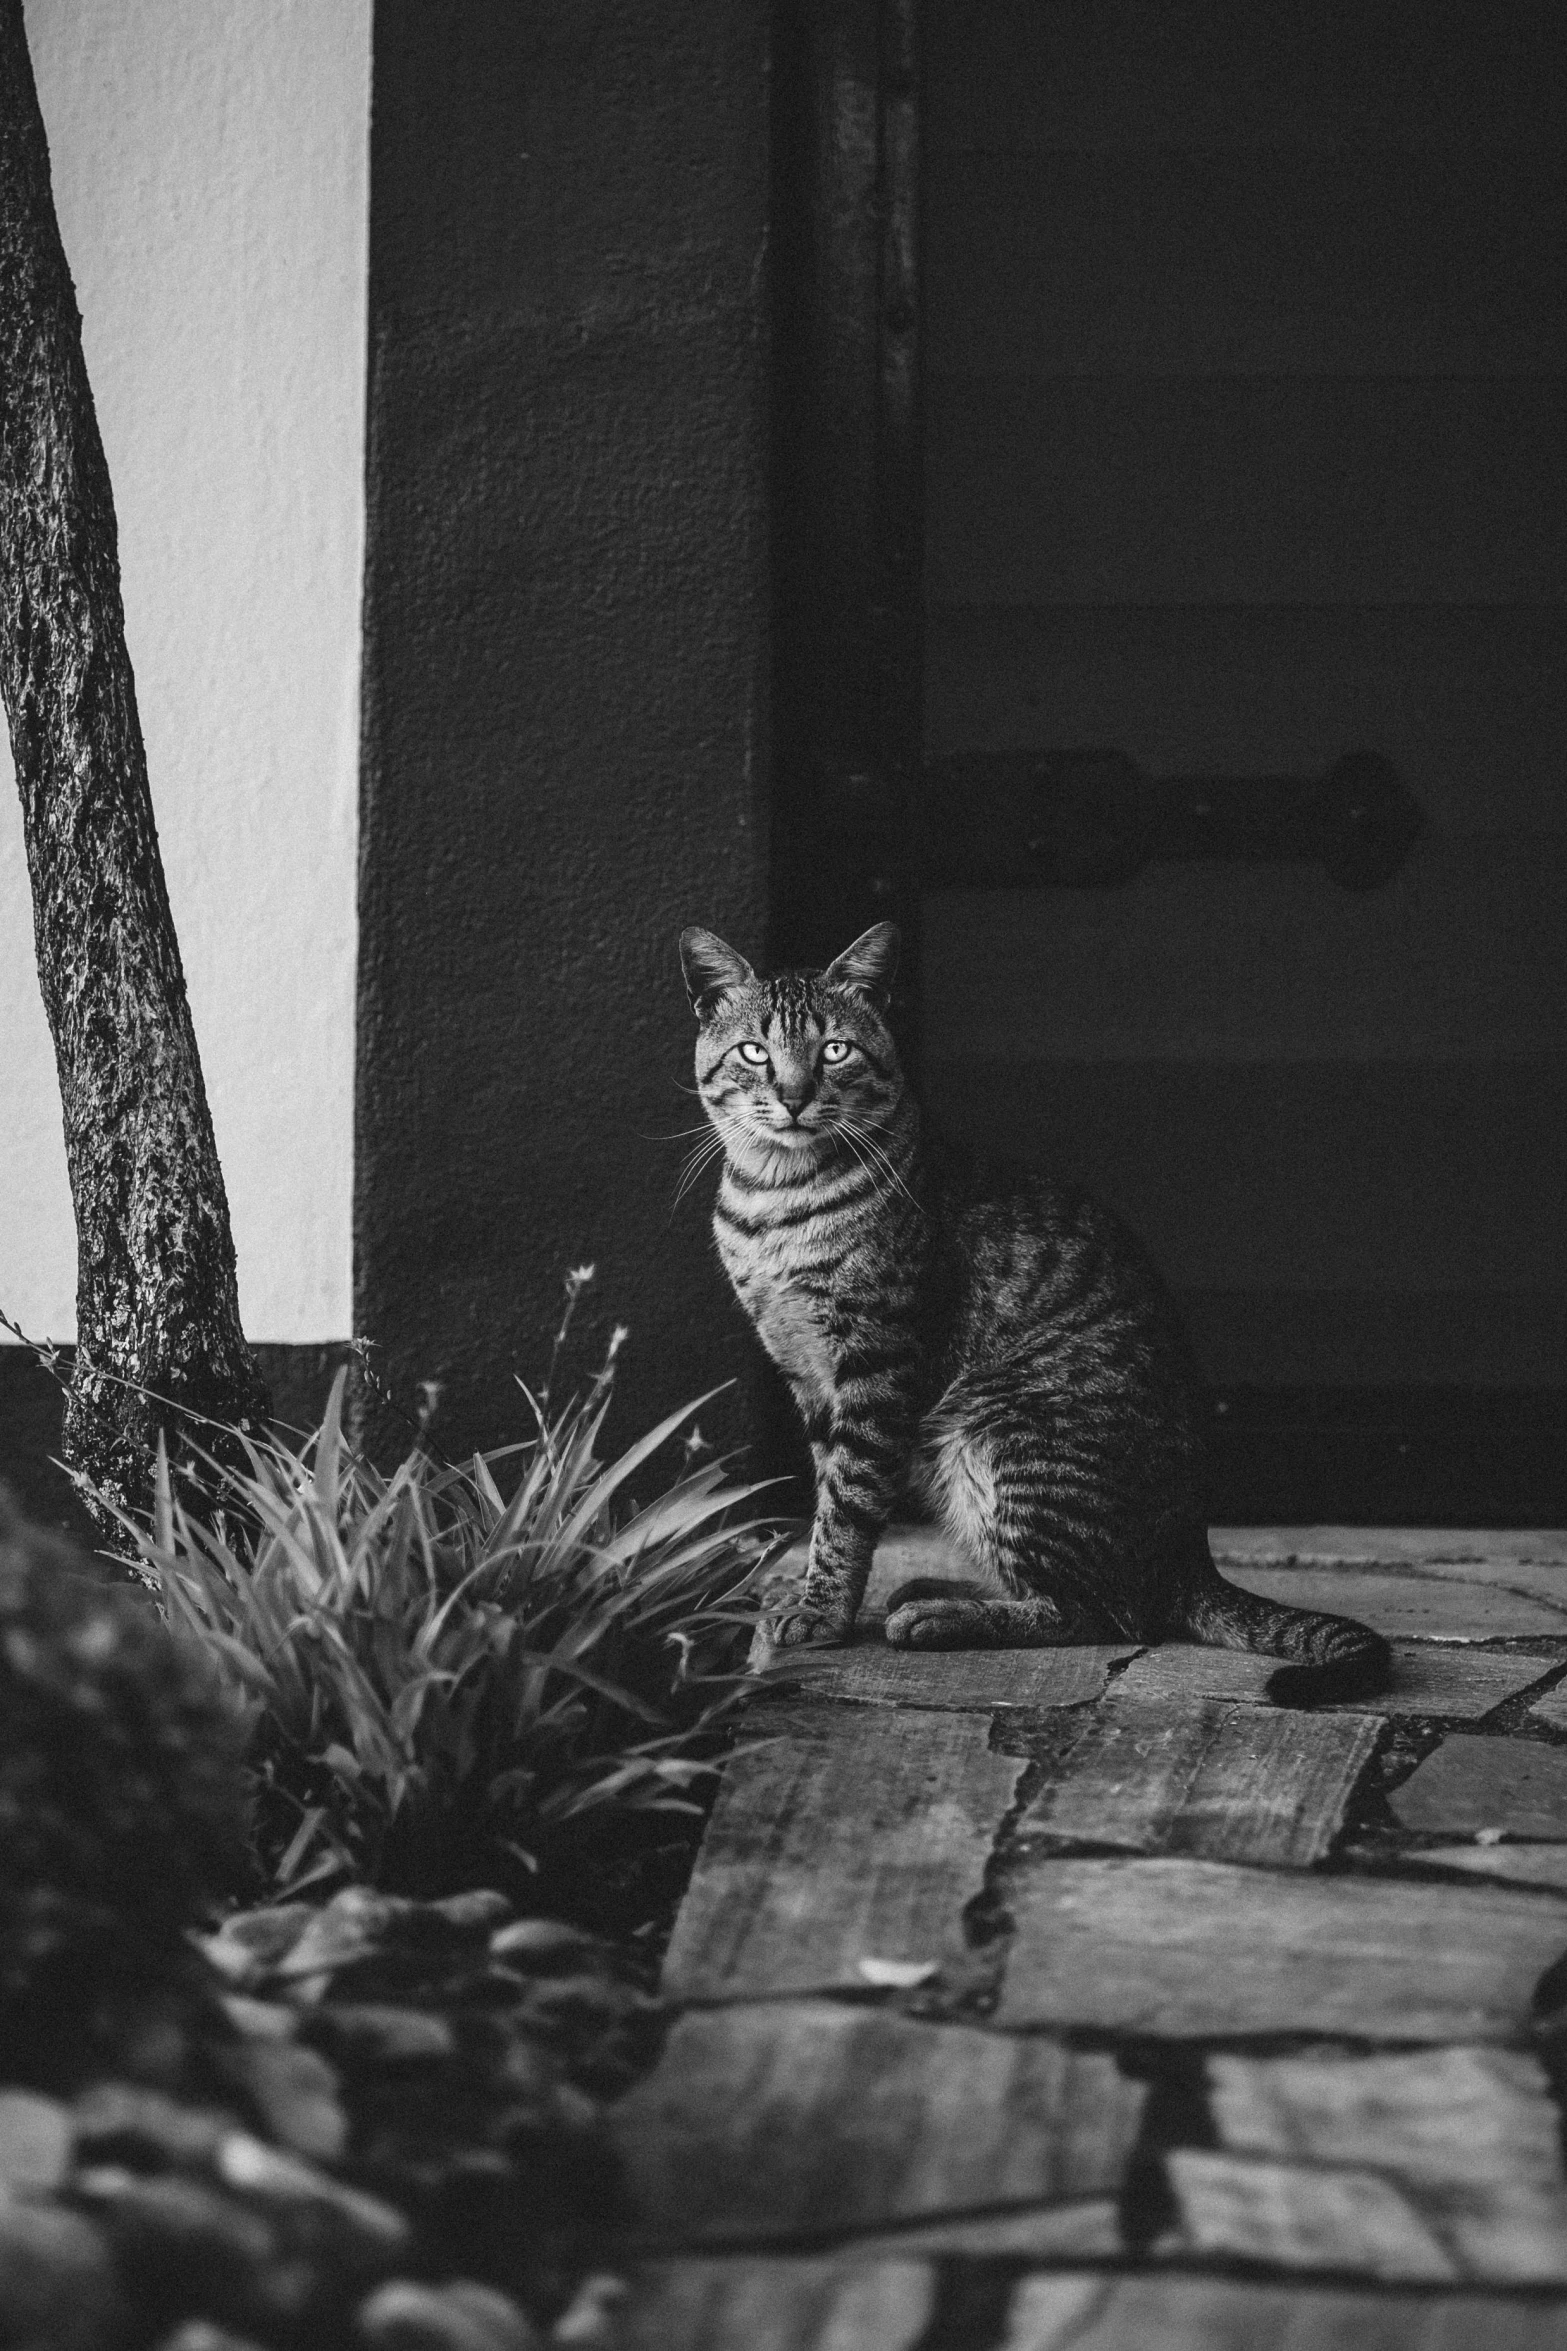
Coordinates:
[1085,818]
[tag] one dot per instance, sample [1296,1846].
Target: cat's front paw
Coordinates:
[802,1627]
[941,1620]
[929,1587]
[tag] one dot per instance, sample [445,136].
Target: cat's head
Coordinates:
[801,1063]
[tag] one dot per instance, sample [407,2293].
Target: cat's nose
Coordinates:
[795,1098]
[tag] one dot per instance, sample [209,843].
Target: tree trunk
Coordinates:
[157,1304]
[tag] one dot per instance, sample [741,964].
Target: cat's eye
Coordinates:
[836,1049]
[751,1051]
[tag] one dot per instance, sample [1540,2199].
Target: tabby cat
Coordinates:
[1001,1351]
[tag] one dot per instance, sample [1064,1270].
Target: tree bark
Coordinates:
[157,1302]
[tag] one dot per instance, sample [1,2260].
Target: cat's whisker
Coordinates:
[710,1145]
[873,1162]
[880,1157]
[698,1160]
[894,1173]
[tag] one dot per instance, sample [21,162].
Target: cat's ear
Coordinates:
[710,967]
[870,964]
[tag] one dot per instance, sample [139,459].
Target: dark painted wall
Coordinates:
[565,704]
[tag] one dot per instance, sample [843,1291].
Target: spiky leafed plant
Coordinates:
[449,1685]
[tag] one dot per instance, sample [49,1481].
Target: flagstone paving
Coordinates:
[1510,1787]
[1082,1997]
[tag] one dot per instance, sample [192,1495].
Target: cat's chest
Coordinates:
[788,1319]
[787,1324]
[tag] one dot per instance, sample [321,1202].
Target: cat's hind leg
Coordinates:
[989,1487]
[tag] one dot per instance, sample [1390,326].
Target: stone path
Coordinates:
[1079,1997]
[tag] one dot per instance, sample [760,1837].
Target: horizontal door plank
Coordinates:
[1463,75]
[1469,702]
[1515,1786]
[808,2119]
[1240,260]
[1211,1778]
[1193,1949]
[1461,956]
[1390,1176]
[855,1833]
[1246,490]
[1319,1344]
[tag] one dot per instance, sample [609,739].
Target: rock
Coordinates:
[377,2033]
[182,2245]
[35,2143]
[405,2316]
[530,2081]
[200,2334]
[295,2092]
[251,1942]
[58,2290]
[588,2321]
[472,1914]
[468,2172]
[258,2020]
[562,2003]
[144,2130]
[543,1946]
[354,1925]
[355,2231]
[151,2045]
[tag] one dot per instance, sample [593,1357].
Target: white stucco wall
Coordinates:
[211,175]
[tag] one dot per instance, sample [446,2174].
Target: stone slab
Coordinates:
[1527,1563]
[1468,1784]
[1218,1781]
[1471,2138]
[972,1681]
[1085,2313]
[777,2305]
[852,1833]
[811,2120]
[1193,1949]
[1519,1865]
[1288,2216]
[1454,1684]
[1468,1548]
[1406,1604]
[1552,1708]
[1085,2231]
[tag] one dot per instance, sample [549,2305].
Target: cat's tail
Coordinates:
[1330,1657]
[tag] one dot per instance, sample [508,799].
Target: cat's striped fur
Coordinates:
[1002,1350]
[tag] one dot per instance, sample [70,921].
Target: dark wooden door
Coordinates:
[1246,447]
